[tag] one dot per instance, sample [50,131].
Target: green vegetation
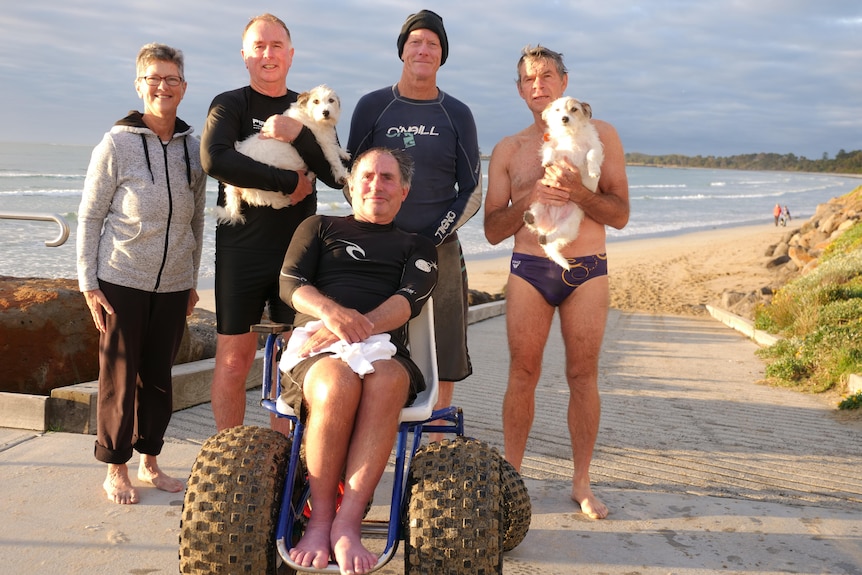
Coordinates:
[842,163]
[851,402]
[819,315]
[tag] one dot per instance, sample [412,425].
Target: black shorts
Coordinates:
[245,283]
[450,313]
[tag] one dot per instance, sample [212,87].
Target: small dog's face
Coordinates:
[566,111]
[321,104]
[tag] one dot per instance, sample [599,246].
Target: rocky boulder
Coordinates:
[47,338]
[799,250]
[476,297]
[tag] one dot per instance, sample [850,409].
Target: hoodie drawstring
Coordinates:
[188,161]
[147,156]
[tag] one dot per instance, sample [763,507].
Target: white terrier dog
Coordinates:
[570,135]
[319,109]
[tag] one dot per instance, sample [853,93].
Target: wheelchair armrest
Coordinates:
[270,328]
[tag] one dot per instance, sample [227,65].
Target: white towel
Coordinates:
[359,356]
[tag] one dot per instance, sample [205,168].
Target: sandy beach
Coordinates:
[667,275]
[670,275]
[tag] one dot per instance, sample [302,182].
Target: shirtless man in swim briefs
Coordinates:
[537,286]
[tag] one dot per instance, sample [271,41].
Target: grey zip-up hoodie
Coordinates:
[141,218]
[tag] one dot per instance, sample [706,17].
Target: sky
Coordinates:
[709,77]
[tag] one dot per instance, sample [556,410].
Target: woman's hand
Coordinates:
[99,306]
[193,301]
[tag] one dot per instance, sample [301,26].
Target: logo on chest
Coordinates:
[408,134]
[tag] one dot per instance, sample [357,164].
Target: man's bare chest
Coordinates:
[526,169]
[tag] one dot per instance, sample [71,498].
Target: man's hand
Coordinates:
[345,324]
[560,184]
[281,127]
[302,190]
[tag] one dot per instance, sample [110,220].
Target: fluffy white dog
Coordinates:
[570,135]
[319,109]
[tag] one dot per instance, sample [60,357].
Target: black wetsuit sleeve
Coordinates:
[227,123]
[420,274]
[311,152]
[301,260]
[223,128]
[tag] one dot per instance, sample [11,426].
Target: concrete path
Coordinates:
[704,470]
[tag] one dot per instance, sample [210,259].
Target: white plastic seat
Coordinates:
[423,351]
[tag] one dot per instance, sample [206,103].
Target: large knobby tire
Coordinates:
[517,509]
[232,502]
[454,513]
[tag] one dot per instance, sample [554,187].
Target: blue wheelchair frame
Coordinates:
[405,445]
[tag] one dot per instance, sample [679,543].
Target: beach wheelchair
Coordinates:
[457,505]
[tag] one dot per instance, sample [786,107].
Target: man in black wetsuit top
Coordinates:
[248,256]
[439,133]
[353,280]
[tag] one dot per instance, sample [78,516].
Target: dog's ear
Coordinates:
[302,99]
[588,110]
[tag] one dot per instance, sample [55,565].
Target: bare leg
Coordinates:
[583,316]
[150,472]
[445,391]
[118,486]
[383,395]
[526,312]
[332,391]
[234,356]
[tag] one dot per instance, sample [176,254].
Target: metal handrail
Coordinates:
[61,221]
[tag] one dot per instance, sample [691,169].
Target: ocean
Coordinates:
[46,178]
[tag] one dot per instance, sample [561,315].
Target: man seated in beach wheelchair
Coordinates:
[357,375]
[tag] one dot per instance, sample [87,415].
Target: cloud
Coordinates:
[709,78]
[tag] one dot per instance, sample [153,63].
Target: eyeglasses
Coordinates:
[172,81]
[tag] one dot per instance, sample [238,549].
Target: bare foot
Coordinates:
[313,549]
[590,504]
[149,472]
[118,486]
[352,557]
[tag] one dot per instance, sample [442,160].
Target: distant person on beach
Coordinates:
[353,411]
[140,234]
[439,132]
[249,256]
[786,214]
[776,212]
[537,286]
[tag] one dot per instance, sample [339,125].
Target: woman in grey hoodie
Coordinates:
[140,232]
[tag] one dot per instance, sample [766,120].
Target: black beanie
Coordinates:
[430,21]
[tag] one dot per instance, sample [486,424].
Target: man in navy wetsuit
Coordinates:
[537,286]
[439,132]
[353,280]
[249,255]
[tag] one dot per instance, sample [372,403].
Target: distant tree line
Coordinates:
[842,163]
